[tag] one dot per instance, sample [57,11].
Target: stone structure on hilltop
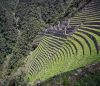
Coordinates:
[62,28]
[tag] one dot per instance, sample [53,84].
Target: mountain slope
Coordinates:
[55,55]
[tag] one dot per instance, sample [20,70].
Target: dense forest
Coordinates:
[20,23]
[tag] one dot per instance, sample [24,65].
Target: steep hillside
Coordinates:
[26,56]
[55,55]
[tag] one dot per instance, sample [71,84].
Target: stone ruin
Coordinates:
[62,28]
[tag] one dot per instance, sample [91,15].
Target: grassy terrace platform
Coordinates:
[55,55]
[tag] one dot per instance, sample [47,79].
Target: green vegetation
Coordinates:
[20,22]
[55,55]
[89,80]
[80,77]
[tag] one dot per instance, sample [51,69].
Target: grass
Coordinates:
[91,78]
[56,55]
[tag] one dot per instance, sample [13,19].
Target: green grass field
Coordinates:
[55,55]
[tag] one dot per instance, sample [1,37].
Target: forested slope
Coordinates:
[20,22]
